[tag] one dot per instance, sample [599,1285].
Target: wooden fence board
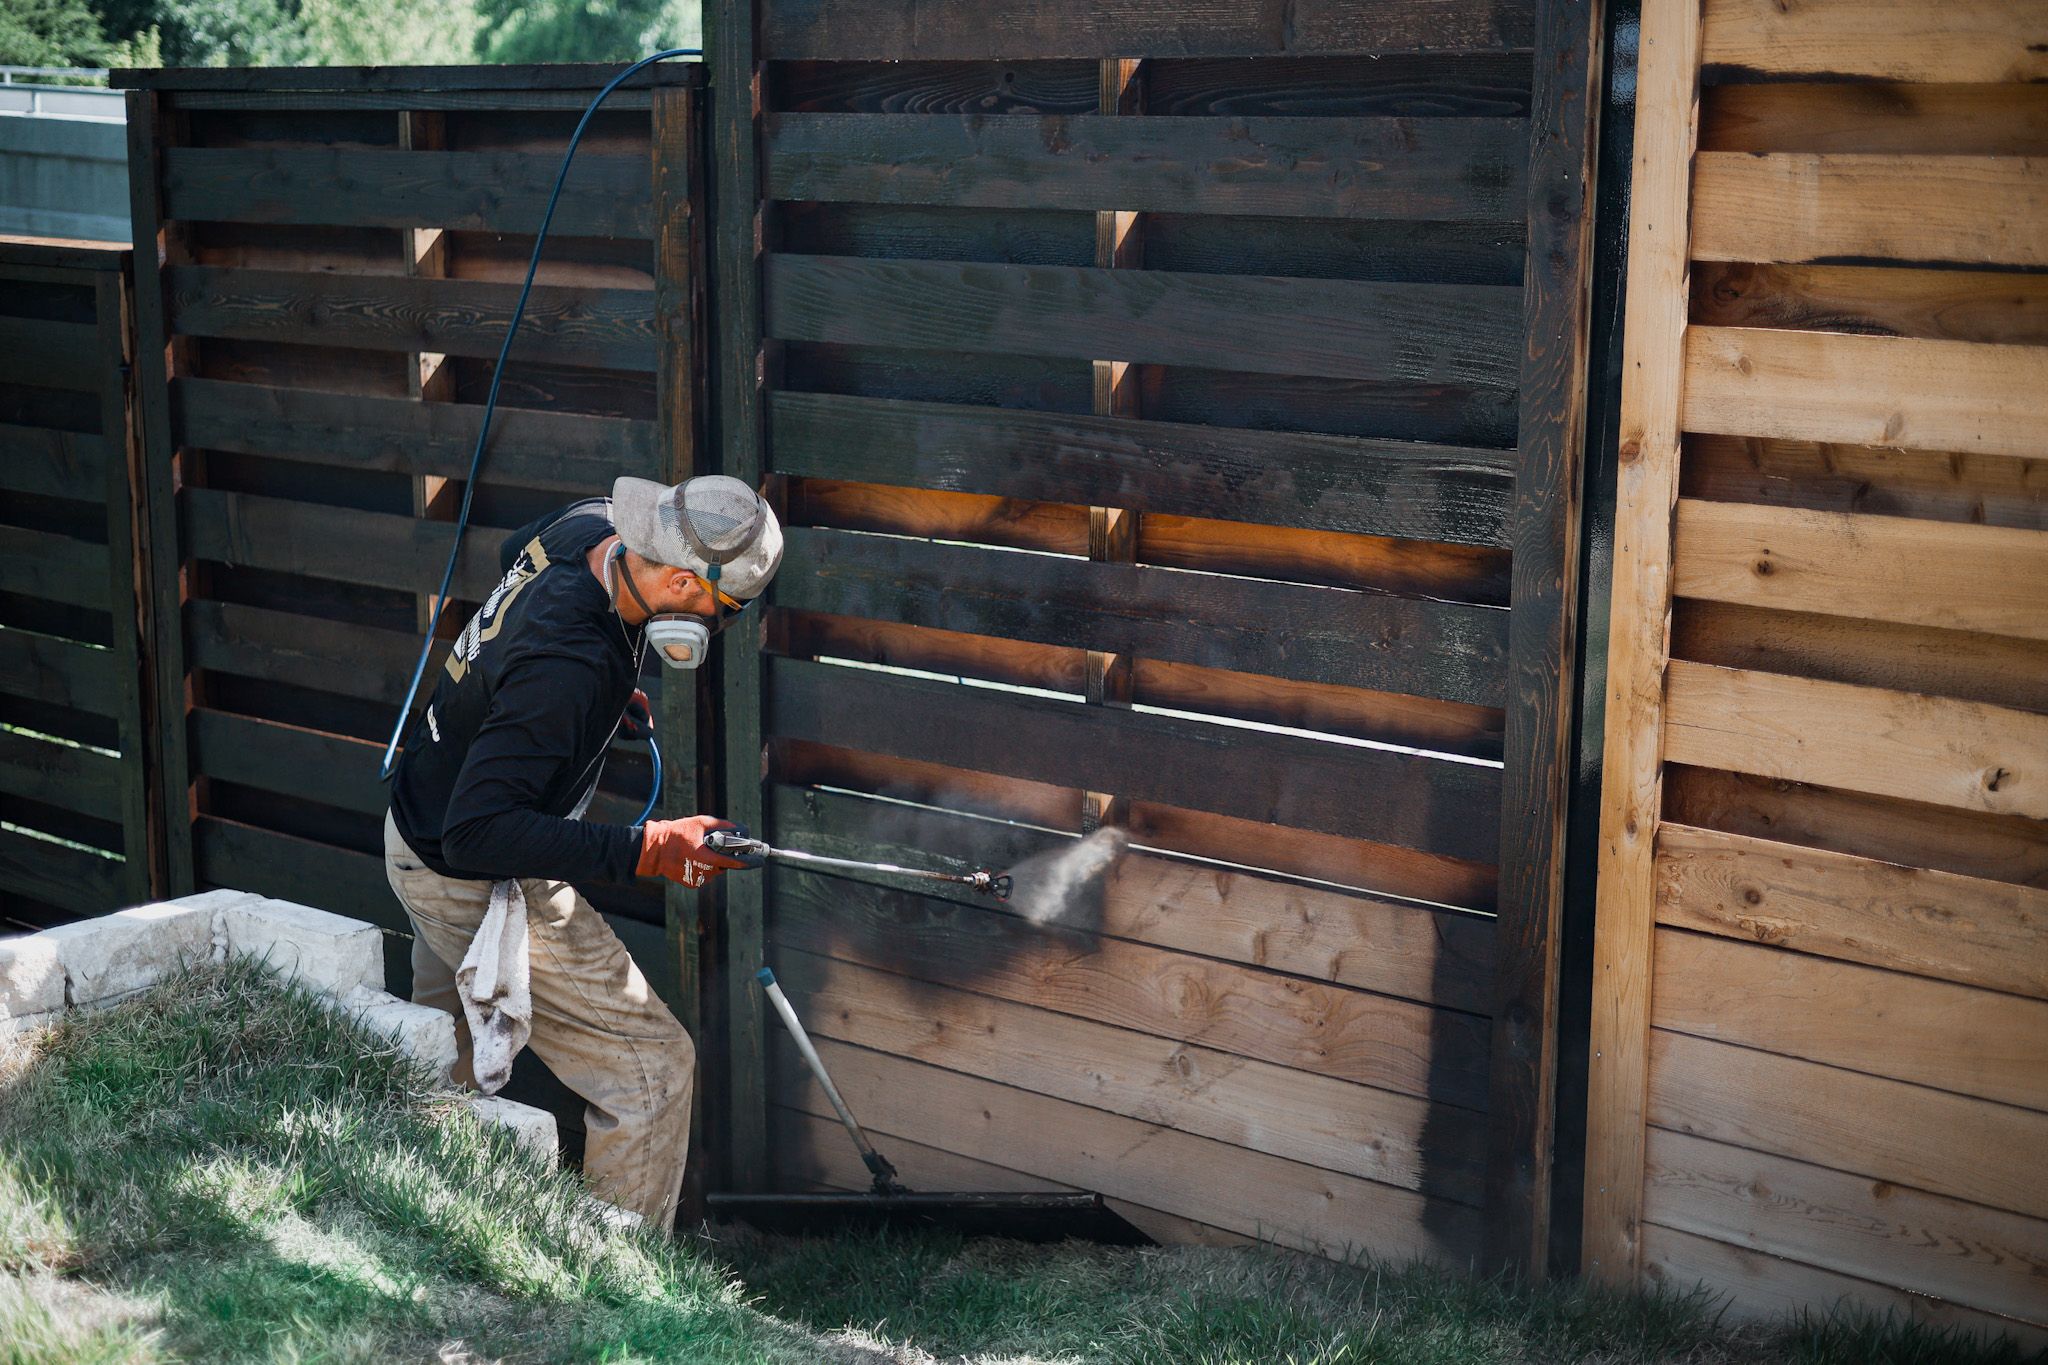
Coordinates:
[1304,479]
[1934,749]
[376,549]
[304,651]
[1334,1125]
[1913,919]
[1898,40]
[66,776]
[1312,634]
[1869,1126]
[54,567]
[1757,1286]
[564,324]
[605,196]
[50,463]
[1376,945]
[1992,306]
[1998,669]
[1994,490]
[1822,386]
[68,878]
[1441,333]
[276,758]
[1973,1256]
[1440,806]
[1396,1045]
[1429,169]
[1947,575]
[892,30]
[59,672]
[1815,206]
[1954,120]
[1631,794]
[1182,1173]
[228,853]
[51,354]
[1933,1033]
[576,453]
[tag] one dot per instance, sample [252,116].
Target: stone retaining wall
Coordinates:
[94,963]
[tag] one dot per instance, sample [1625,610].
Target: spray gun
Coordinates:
[736,845]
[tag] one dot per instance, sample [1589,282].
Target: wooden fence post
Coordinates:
[678,315]
[1667,116]
[735,104]
[163,615]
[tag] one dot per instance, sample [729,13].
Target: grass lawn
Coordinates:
[221,1170]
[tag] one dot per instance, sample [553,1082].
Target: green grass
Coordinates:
[222,1170]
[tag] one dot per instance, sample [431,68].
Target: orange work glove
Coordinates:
[675,849]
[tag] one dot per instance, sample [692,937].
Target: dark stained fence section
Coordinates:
[75,836]
[328,262]
[1176,414]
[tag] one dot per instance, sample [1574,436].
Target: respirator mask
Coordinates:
[680,640]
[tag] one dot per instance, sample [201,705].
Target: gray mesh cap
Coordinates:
[711,519]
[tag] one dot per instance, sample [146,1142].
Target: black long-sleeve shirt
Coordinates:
[518,726]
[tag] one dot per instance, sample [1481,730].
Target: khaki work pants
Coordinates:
[596,1023]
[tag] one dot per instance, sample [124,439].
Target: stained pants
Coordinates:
[596,1023]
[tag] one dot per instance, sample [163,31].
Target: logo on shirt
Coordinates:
[490,619]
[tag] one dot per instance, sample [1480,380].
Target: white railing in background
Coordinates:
[63,154]
[34,90]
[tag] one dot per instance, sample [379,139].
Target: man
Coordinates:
[503,762]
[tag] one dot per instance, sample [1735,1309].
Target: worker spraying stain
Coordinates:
[486,841]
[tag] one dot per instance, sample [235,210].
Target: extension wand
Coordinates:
[740,846]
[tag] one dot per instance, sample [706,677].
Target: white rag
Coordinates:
[496,989]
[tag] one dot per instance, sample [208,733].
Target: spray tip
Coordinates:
[765,977]
[1001,887]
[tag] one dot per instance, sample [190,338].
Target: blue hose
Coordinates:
[483,433]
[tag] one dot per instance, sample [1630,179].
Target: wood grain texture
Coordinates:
[1998,669]
[1370,943]
[376,549]
[613,328]
[1318,482]
[605,196]
[69,878]
[1458,573]
[570,452]
[1995,490]
[1934,749]
[1312,1210]
[276,758]
[1757,1286]
[304,651]
[312,82]
[1543,630]
[1439,806]
[51,354]
[1910,919]
[1329,1124]
[1816,206]
[306,872]
[1939,120]
[890,30]
[1971,1256]
[1446,334]
[1310,634]
[1865,1125]
[53,567]
[1631,792]
[48,462]
[1900,40]
[1933,1033]
[1940,305]
[1948,575]
[66,776]
[1427,169]
[1874,391]
[66,673]
[2008,848]
[1397,1045]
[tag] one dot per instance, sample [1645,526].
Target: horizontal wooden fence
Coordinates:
[1185,443]
[328,262]
[1820,1049]
[75,828]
